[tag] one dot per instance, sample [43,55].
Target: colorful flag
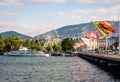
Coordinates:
[108,26]
[101,28]
[81,42]
[76,45]
[86,40]
[92,35]
[105,27]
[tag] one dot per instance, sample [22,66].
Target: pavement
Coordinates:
[115,56]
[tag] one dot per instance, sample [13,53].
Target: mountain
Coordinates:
[74,30]
[13,33]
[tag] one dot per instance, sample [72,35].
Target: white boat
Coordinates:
[23,51]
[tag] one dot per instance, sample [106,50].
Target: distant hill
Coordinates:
[13,33]
[74,30]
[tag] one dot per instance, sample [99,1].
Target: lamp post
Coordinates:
[119,33]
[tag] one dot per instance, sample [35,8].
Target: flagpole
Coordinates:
[119,33]
[98,44]
[106,44]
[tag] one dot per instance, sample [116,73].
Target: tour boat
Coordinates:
[23,51]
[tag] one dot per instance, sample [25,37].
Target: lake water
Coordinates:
[50,69]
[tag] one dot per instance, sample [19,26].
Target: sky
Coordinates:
[33,17]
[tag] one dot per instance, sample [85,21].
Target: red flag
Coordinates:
[101,28]
[108,26]
[93,35]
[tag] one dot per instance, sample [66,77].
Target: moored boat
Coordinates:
[23,51]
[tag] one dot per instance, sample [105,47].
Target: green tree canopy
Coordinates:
[0,36]
[2,45]
[41,42]
[12,43]
[57,47]
[49,47]
[67,45]
[27,43]
[39,48]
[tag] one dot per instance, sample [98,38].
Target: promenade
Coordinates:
[114,56]
[101,57]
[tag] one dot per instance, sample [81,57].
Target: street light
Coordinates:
[119,33]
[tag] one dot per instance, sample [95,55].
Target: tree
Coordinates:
[0,36]
[12,43]
[36,47]
[2,44]
[49,47]
[67,45]
[57,47]
[41,42]
[27,43]
[39,48]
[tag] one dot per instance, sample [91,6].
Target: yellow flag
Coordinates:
[101,28]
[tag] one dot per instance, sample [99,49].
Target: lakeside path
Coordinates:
[109,58]
[113,57]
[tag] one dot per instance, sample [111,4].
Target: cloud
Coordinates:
[114,18]
[99,11]
[57,1]
[11,2]
[3,4]
[8,13]
[94,14]
[23,2]
[99,1]
[69,16]
[62,13]
[26,28]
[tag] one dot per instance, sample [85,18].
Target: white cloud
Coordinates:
[78,13]
[94,18]
[11,2]
[114,18]
[62,13]
[22,2]
[69,16]
[99,11]
[8,13]
[3,4]
[14,2]
[25,28]
[58,1]
[86,1]
[99,1]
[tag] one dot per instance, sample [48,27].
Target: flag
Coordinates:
[81,42]
[92,35]
[101,28]
[108,26]
[105,27]
[76,45]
